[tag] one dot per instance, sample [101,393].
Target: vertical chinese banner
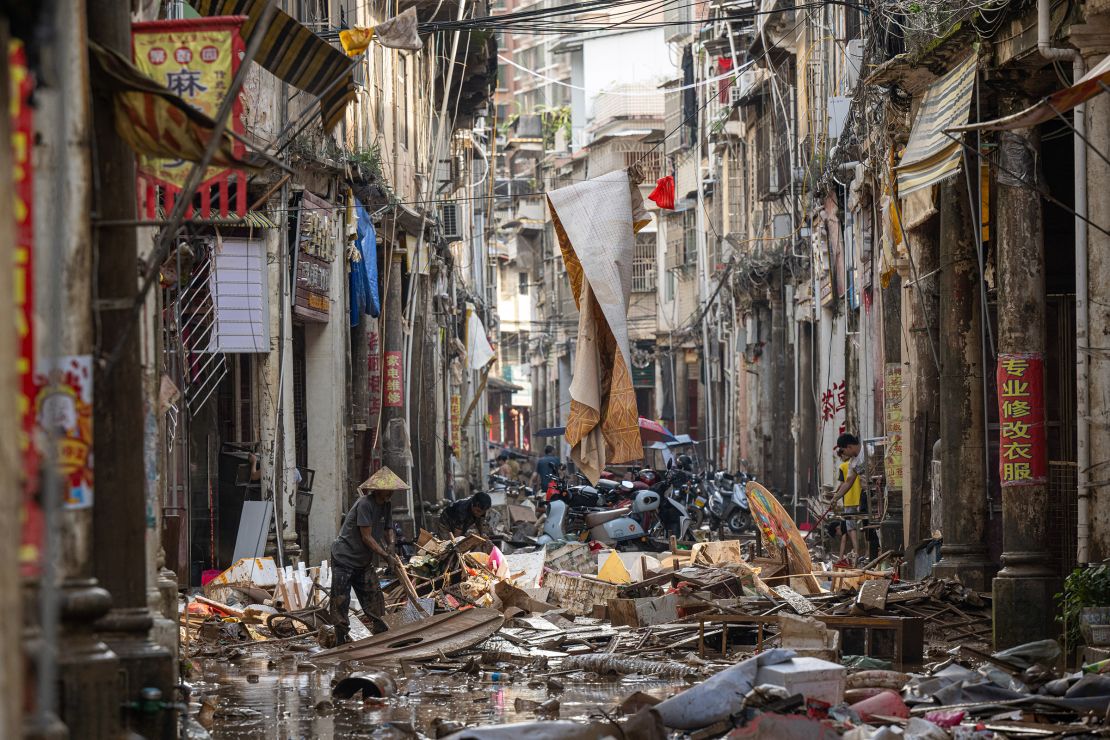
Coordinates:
[394,386]
[30,549]
[374,376]
[456,423]
[892,408]
[196,58]
[1022,448]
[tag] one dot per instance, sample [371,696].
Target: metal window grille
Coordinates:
[449,215]
[1063,514]
[689,238]
[643,264]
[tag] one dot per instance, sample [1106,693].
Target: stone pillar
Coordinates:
[964,502]
[782,395]
[1026,576]
[920,378]
[119,506]
[82,669]
[396,452]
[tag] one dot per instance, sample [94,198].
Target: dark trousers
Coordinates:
[369,591]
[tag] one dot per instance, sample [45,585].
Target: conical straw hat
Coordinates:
[384,480]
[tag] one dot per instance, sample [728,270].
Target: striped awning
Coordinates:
[931,155]
[295,54]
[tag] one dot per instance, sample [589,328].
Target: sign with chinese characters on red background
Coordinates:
[1022,448]
[196,58]
[21,85]
[394,385]
[456,422]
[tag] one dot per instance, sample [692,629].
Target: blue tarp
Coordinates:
[364,273]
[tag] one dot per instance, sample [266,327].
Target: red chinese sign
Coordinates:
[834,400]
[1022,451]
[30,548]
[394,385]
[456,423]
[196,58]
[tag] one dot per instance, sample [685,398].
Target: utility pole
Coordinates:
[119,509]
[1026,576]
[964,503]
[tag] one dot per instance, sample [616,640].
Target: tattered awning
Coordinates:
[295,54]
[931,155]
[1058,103]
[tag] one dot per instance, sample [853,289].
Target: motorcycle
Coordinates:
[729,511]
[615,527]
[693,493]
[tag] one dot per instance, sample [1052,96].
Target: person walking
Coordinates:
[365,542]
[547,469]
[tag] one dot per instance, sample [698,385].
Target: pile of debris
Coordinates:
[751,646]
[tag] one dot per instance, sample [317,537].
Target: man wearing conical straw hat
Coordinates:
[364,543]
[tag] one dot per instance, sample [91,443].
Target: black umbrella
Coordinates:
[551,432]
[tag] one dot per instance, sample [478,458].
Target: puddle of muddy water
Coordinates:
[262,696]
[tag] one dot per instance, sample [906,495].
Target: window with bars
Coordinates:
[689,238]
[736,214]
[643,264]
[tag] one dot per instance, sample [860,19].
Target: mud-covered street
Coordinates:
[257,696]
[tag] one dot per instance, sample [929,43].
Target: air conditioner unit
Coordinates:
[449,217]
[853,63]
[748,80]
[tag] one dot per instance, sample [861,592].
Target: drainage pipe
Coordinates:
[1082,398]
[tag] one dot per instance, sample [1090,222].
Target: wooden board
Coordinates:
[447,633]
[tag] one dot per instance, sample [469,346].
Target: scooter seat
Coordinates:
[595,518]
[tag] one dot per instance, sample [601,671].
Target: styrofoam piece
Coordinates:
[261,572]
[812,677]
[531,563]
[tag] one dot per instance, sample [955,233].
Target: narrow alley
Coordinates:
[555,369]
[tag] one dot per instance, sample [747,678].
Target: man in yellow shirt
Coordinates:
[852,466]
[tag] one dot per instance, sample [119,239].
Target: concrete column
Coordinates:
[275,381]
[325,401]
[1026,577]
[73,660]
[920,378]
[396,454]
[782,399]
[119,506]
[964,517]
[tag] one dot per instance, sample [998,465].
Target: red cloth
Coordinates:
[663,195]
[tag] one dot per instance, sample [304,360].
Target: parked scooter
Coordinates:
[613,527]
[729,511]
